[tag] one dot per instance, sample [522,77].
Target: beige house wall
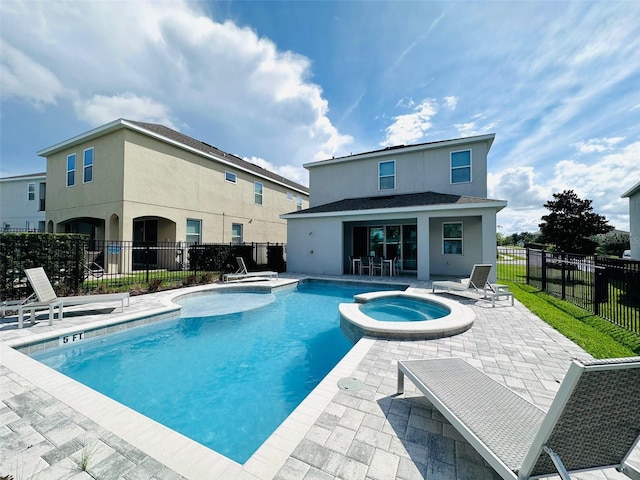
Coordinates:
[139,176]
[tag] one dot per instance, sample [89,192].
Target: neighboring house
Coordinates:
[22,202]
[134,181]
[633,195]
[423,204]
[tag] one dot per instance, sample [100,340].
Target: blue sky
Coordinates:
[285,83]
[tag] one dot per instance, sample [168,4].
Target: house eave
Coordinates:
[497,205]
[632,191]
[121,123]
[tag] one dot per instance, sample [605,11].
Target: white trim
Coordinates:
[93,157]
[377,211]
[451,167]
[453,238]
[235,177]
[380,177]
[75,170]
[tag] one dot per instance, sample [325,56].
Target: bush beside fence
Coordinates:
[75,264]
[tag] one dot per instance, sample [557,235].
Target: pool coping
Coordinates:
[356,323]
[156,440]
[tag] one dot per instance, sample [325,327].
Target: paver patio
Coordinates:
[369,433]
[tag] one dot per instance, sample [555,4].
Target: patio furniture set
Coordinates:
[371,265]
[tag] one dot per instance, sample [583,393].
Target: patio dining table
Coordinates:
[355,265]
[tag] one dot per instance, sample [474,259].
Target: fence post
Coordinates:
[543,273]
[597,280]
[146,260]
[563,269]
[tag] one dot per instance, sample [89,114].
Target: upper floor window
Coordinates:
[299,203]
[31,191]
[71,170]
[290,196]
[387,175]
[194,231]
[461,166]
[236,233]
[257,193]
[87,166]
[230,177]
[452,238]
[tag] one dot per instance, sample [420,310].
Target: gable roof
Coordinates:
[405,202]
[488,138]
[168,135]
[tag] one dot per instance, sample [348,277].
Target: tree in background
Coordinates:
[571,222]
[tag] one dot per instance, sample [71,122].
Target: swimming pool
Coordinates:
[402,309]
[224,378]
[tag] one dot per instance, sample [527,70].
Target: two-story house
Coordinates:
[424,205]
[22,202]
[135,181]
[633,194]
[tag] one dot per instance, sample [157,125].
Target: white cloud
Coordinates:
[602,181]
[23,77]
[170,63]
[450,103]
[101,109]
[597,145]
[295,173]
[411,127]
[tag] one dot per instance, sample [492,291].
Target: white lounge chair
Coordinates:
[477,283]
[242,273]
[593,422]
[47,298]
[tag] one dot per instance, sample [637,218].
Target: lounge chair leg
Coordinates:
[400,389]
[555,458]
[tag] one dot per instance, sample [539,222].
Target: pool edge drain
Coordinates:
[350,384]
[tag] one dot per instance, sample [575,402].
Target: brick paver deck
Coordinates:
[51,428]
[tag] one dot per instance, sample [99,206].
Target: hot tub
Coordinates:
[403,315]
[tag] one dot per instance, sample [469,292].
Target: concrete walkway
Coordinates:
[51,427]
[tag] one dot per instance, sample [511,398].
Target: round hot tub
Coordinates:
[403,315]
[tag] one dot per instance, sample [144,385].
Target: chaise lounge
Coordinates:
[242,273]
[47,298]
[593,422]
[477,283]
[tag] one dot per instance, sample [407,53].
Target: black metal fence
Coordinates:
[604,286]
[83,265]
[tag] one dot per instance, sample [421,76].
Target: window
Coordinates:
[387,175]
[461,166]
[71,170]
[87,166]
[236,233]
[299,203]
[452,238]
[31,191]
[257,193]
[194,231]
[230,177]
[290,196]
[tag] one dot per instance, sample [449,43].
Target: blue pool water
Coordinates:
[225,379]
[399,309]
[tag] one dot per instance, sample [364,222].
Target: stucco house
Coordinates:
[130,180]
[423,204]
[22,202]
[633,194]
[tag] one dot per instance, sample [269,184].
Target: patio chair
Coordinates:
[365,264]
[243,273]
[47,298]
[593,422]
[377,263]
[477,283]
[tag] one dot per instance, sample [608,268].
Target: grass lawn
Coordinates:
[594,334]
